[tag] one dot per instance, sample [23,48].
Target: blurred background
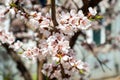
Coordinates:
[103,39]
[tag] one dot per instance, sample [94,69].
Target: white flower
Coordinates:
[60,58]
[46,33]
[11,38]
[16,45]
[66,29]
[92,11]
[54,58]
[65,58]
[33,23]
[63,46]
[65,16]
[73,12]
[45,23]
[80,14]
[78,64]
[36,51]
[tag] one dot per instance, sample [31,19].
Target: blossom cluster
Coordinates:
[8,38]
[53,42]
[56,50]
[69,23]
[31,53]
[62,57]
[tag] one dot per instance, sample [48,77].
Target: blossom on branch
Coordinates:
[52,42]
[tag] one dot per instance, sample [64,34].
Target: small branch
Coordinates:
[53,13]
[62,71]
[101,64]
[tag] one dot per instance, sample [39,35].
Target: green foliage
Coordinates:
[7,77]
[34,76]
[97,17]
[57,62]
[81,71]
[20,52]
[12,4]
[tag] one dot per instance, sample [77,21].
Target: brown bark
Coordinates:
[85,6]
[74,38]
[53,13]
[39,68]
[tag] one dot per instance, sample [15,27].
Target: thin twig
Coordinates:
[53,13]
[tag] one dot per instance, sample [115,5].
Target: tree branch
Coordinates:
[74,38]
[20,65]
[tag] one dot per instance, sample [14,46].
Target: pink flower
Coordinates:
[84,23]
[28,54]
